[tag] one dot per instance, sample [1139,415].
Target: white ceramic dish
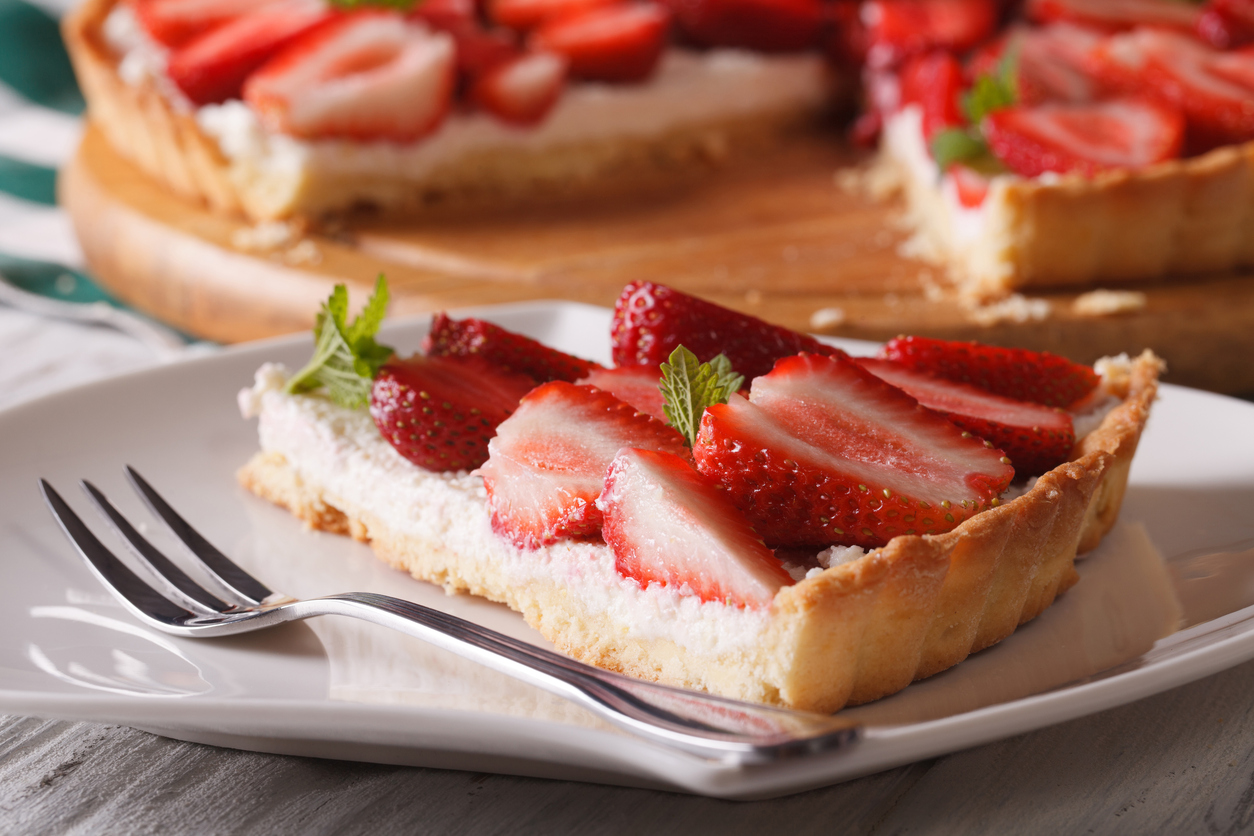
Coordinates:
[338,689]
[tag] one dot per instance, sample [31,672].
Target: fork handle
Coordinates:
[701,724]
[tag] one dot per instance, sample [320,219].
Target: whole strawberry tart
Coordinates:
[732,506]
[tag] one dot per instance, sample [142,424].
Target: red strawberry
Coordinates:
[1226,24]
[900,28]
[1084,138]
[1115,15]
[173,23]
[479,50]
[1036,438]
[1214,90]
[934,82]
[522,91]
[621,43]
[367,76]
[504,349]
[446,15]
[523,15]
[970,185]
[1035,376]
[548,461]
[1054,63]
[439,412]
[636,385]
[762,25]
[824,452]
[652,320]
[212,68]
[669,524]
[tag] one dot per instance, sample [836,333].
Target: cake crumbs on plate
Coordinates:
[1104,302]
[1014,308]
[825,318]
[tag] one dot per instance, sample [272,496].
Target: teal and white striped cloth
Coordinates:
[57,327]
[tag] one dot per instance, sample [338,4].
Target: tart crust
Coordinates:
[1175,218]
[168,144]
[853,633]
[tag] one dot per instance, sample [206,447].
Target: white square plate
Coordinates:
[339,689]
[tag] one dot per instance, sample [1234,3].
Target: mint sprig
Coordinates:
[990,92]
[689,386]
[346,357]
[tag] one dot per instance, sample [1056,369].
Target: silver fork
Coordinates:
[701,724]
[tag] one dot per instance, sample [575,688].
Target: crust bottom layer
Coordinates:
[854,633]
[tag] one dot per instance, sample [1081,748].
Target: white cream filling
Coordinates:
[341,451]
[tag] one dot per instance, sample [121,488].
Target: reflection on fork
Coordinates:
[700,724]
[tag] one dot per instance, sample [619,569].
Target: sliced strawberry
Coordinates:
[670,525]
[367,76]
[825,453]
[1214,90]
[547,463]
[761,25]
[522,91]
[900,28]
[1035,438]
[212,68]
[970,185]
[1226,24]
[621,43]
[524,15]
[173,23]
[636,385]
[1054,63]
[1035,376]
[446,15]
[479,50]
[934,82]
[1116,15]
[846,43]
[1085,138]
[504,349]
[440,412]
[652,320]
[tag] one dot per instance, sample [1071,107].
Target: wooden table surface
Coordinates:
[1178,762]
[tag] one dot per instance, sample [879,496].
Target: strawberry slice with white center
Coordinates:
[173,23]
[213,67]
[369,76]
[1035,438]
[1054,63]
[636,385]
[440,412]
[620,43]
[897,29]
[502,348]
[1084,138]
[1227,24]
[826,453]
[670,525]
[1115,15]
[934,82]
[547,462]
[523,90]
[445,15]
[1214,90]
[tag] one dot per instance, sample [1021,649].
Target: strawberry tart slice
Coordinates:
[798,527]
[1096,141]
[279,108]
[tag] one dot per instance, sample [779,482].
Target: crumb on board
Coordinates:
[304,253]
[1108,302]
[266,236]
[1014,308]
[825,318]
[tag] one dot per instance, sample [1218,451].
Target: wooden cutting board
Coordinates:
[775,237]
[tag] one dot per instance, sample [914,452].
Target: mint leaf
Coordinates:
[994,91]
[689,386]
[346,357]
[957,145]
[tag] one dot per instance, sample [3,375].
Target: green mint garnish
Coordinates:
[346,357]
[994,91]
[957,145]
[689,386]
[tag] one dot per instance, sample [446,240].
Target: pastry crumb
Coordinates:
[266,236]
[1108,302]
[827,318]
[304,253]
[1014,308]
